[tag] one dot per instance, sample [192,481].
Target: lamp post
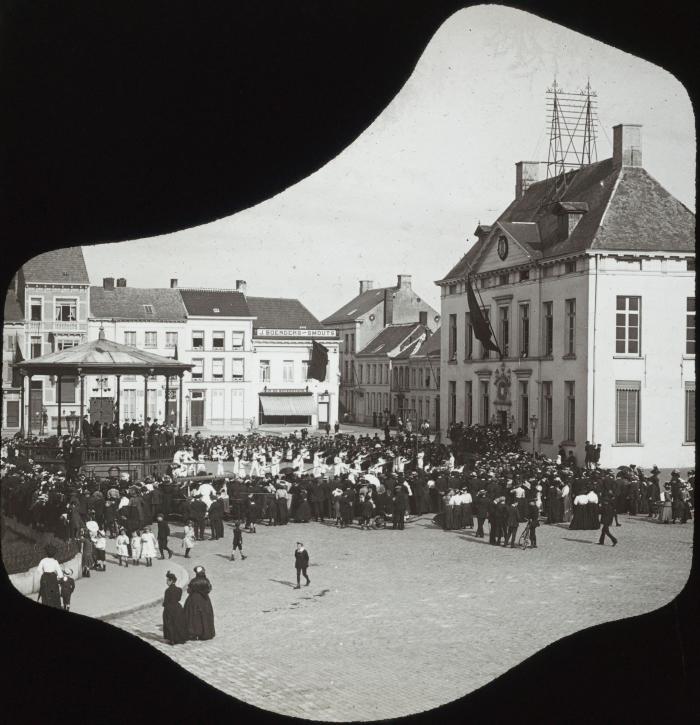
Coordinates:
[533,428]
[187,413]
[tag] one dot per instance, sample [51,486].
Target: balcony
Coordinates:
[40,326]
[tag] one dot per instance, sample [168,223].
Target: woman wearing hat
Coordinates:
[50,571]
[174,620]
[199,613]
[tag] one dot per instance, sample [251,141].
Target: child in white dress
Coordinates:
[136,546]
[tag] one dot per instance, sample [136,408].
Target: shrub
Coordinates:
[21,553]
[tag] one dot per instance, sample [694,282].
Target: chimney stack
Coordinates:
[173,283]
[108,282]
[627,145]
[404,281]
[526,174]
[365,285]
[241,286]
[121,282]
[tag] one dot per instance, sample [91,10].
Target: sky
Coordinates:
[407,194]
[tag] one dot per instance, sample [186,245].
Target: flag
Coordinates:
[16,377]
[480,325]
[319,362]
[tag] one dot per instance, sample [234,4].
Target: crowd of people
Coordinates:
[484,478]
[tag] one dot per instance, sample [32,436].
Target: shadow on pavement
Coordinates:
[473,539]
[152,636]
[282,581]
[578,541]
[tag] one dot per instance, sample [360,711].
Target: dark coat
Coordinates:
[198,510]
[174,620]
[512,518]
[216,510]
[301,559]
[163,531]
[198,610]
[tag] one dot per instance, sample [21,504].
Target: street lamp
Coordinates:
[187,413]
[533,428]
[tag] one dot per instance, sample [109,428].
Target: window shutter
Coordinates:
[627,411]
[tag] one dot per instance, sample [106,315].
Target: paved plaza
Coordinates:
[396,623]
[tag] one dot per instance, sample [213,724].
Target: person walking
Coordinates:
[301,563]
[199,613]
[607,514]
[237,541]
[163,534]
[188,539]
[67,586]
[51,572]
[174,620]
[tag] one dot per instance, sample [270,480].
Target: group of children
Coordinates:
[143,545]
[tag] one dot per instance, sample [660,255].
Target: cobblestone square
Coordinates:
[389,613]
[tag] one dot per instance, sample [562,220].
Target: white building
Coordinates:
[591,296]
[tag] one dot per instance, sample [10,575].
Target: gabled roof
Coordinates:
[59,266]
[281,313]
[103,356]
[136,303]
[13,312]
[215,303]
[358,306]
[394,338]
[431,346]
[622,208]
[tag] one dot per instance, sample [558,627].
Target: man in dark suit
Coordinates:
[481,506]
[512,521]
[398,510]
[606,519]
[198,512]
[301,562]
[85,427]
[216,518]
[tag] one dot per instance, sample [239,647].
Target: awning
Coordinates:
[288,405]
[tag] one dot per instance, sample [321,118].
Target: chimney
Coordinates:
[365,285]
[627,145]
[173,283]
[108,282]
[526,174]
[121,282]
[241,286]
[404,281]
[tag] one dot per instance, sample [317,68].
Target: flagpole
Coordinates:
[488,319]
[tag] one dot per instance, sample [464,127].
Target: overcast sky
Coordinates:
[406,196]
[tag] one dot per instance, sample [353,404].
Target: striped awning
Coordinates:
[287,404]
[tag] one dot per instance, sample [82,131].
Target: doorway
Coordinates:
[197,411]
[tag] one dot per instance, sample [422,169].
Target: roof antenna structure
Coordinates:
[572,120]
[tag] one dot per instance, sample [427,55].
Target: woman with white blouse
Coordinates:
[51,572]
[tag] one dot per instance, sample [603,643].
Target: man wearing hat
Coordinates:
[301,562]
[198,512]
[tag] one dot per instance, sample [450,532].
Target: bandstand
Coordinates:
[102,357]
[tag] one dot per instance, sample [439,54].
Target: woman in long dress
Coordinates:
[174,620]
[198,610]
[578,520]
[303,512]
[666,505]
[51,573]
[592,517]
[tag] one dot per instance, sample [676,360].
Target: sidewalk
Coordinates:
[118,590]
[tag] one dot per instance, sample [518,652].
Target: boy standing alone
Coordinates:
[301,562]
[237,541]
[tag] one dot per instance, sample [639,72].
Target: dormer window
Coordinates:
[148,310]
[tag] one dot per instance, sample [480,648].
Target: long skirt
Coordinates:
[467,518]
[175,624]
[303,513]
[522,510]
[49,593]
[578,521]
[644,504]
[566,509]
[591,517]
[199,615]
[665,512]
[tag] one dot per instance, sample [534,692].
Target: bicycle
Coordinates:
[524,540]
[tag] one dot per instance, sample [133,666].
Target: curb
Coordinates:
[182,578]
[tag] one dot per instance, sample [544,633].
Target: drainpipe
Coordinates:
[595,327]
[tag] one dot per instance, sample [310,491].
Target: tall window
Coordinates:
[570,390]
[305,369]
[130,338]
[35,345]
[352,342]
[452,352]
[198,340]
[66,310]
[238,369]
[524,406]
[504,325]
[359,373]
[485,403]
[67,390]
[453,401]
[346,377]
[237,341]
[468,337]
[468,402]
[548,329]
[217,368]
[570,313]
[288,371]
[171,339]
[347,344]
[264,371]
[546,430]
[690,413]
[151,339]
[218,341]
[197,368]
[690,326]
[35,313]
[627,411]
[628,325]
[524,330]
[484,351]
